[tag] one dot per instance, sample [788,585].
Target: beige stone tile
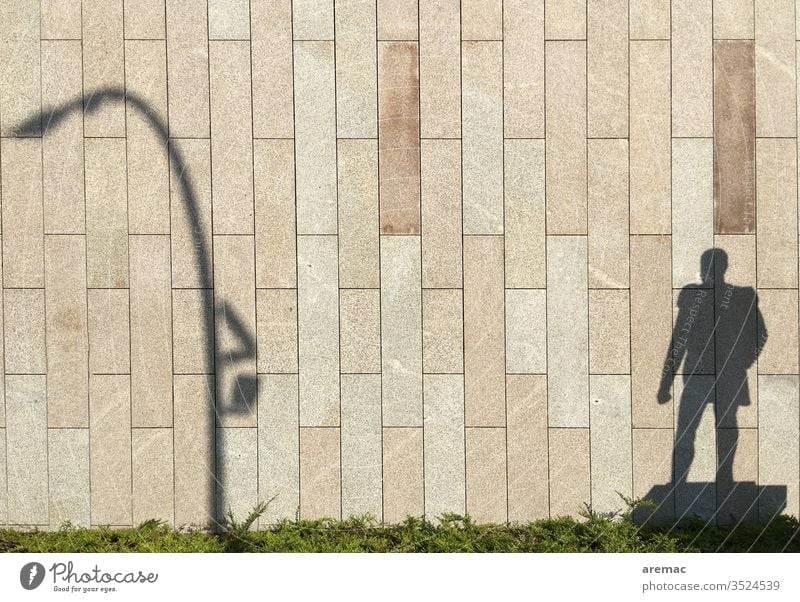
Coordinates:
[776,211]
[109,331]
[318,334]
[523,68]
[401,331]
[482,20]
[569,471]
[442,331]
[652,472]
[315,136]
[231,137]
[610,441]
[733,19]
[110,450]
[609,332]
[397,19]
[20,73]
[194,453]
[313,19]
[776,75]
[228,19]
[68,470]
[61,19]
[403,487]
[565,19]
[360,330]
[738,500]
[779,310]
[607,68]
[144,19]
[103,67]
[528,486]
[526,331]
[566,137]
[3,480]
[361,445]
[484,331]
[440,68]
[23,243]
[278,447]
[26,450]
[445,487]
[151,331]
[192,331]
[608,212]
[153,476]
[524,214]
[650,137]
[482,149]
[649,19]
[62,147]
[187,67]
[106,213]
[276,313]
[356,65]
[276,252]
[2,357]
[692,68]
[359,263]
[67,333]
[273,86]
[320,473]
[236,471]
[441,213]
[487,490]
[24,324]
[567,332]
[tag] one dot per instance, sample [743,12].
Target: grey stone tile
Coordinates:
[442,331]
[403,474]
[487,490]
[776,82]
[356,68]
[610,441]
[25,351]
[144,19]
[228,19]
[3,483]
[482,20]
[61,19]
[523,60]
[68,469]
[312,19]
[103,65]
[153,475]
[692,68]
[20,83]
[649,19]
[440,69]
[526,331]
[607,67]
[237,471]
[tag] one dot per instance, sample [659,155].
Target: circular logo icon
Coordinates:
[31,575]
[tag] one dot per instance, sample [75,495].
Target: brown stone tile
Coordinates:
[320,473]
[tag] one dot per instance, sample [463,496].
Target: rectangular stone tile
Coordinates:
[566,137]
[190,190]
[734,137]
[443,435]
[441,213]
[228,19]
[776,73]
[62,148]
[144,19]
[315,136]
[278,447]
[23,243]
[151,331]
[276,327]
[528,486]
[2,354]
[484,331]
[737,500]
[110,450]
[320,473]
[649,19]
[109,331]
[67,333]
[356,65]
[401,331]
[693,337]
[361,445]
[398,137]
[403,485]
[650,137]
[565,19]
[652,473]
[609,218]
[235,329]
[103,66]
[482,20]
[778,443]
[20,73]
[192,331]
[106,213]
[318,334]
[397,19]
[523,68]
[360,330]
[24,325]
[3,483]
[482,150]
[526,331]
[231,137]
[610,441]
[692,68]
[153,475]
[609,332]
[442,331]
[607,68]
[237,471]
[486,475]
[524,214]
[733,19]
[147,158]
[61,19]
[440,68]
[26,450]
[194,450]
[271,65]
[692,207]
[359,264]
[776,199]
[313,19]
[779,310]
[567,332]
[275,227]
[569,470]
[187,67]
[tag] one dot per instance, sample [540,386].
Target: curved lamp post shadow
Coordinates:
[241,399]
